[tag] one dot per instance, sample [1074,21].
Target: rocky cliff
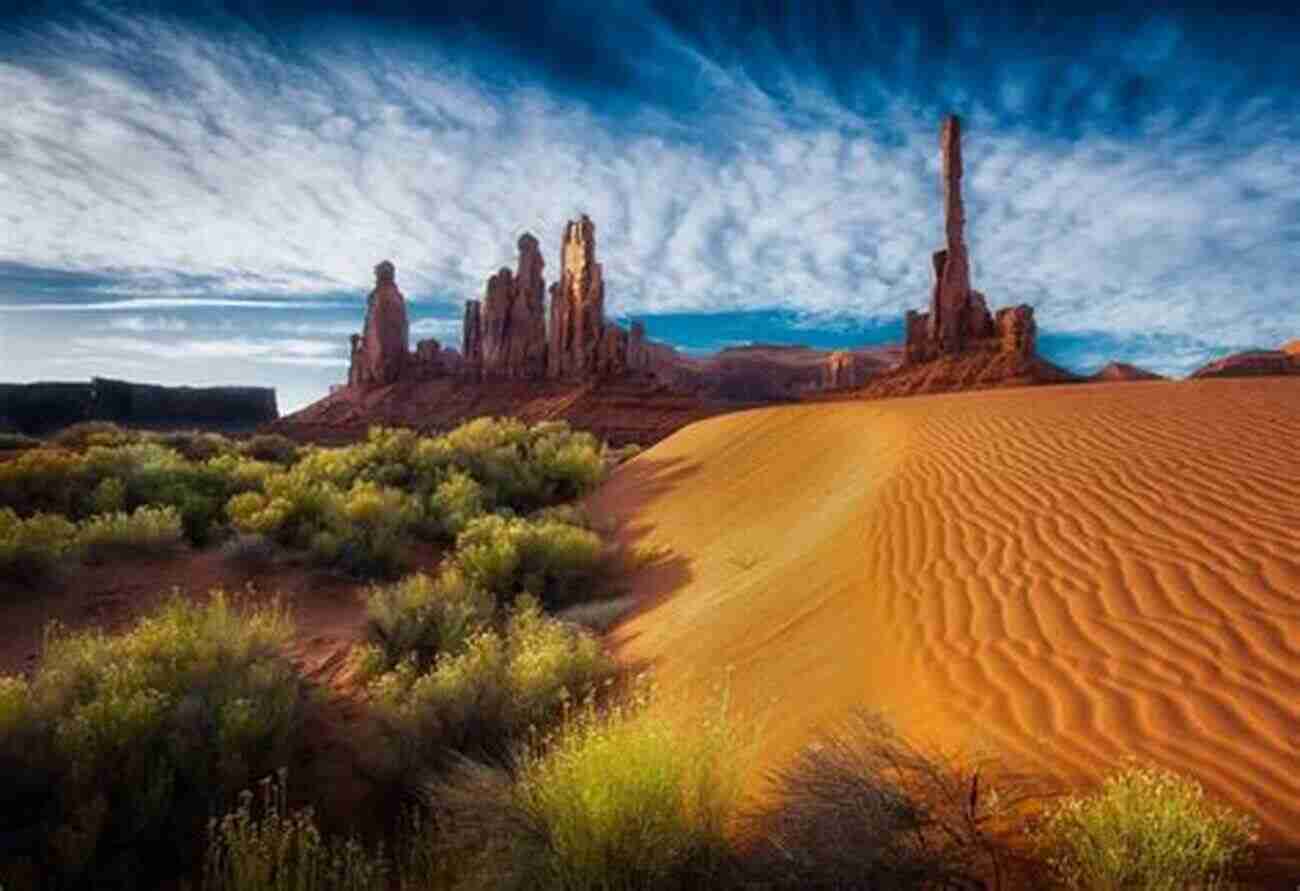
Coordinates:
[1122,371]
[40,408]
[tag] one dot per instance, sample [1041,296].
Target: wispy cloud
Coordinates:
[195,170]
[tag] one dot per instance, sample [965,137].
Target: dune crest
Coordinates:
[1068,574]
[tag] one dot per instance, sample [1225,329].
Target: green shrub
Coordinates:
[456,500]
[552,560]
[478,697]
[250,551]
[147,530]
[282,849]
[420,617]
[194,445]
[31,549]
[94,433]
[110,496]
[45,480]
[614,799]
[1146,829]
[144,734]
[271,447]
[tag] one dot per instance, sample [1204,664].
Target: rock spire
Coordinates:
[379,355]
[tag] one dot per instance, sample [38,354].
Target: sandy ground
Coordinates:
[1063,575]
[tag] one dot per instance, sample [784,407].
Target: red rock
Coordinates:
[1292,348]
[381,355]
[577,305]
[1122,371]
[959,320]
[1250,363]
[514,318]
[845,370]
[1017,332]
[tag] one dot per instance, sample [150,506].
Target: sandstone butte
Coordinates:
[1123,371]
[519,356]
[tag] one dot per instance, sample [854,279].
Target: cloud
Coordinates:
[143,324]
[293,351]
[197,169]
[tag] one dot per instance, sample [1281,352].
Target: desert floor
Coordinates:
[1064,576]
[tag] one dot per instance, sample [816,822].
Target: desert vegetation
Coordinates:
[101,492]
[517,753]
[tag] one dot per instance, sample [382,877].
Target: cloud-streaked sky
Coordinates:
[200,196]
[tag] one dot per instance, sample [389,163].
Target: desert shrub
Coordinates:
[477,698]
[109,496]
[17,442]
[141,735]
[242,474]
[282,849]
[147,530]
[861,807]
[456,500]
[45,480]
[94,433]
[1146,829]
[616,798]
[377,530]
[31,549]
[273,447]
[554,561]
[422,616]
[197,446]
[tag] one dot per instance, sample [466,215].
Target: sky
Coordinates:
[198,193]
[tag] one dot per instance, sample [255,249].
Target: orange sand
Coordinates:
[1067,575]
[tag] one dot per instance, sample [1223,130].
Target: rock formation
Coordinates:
[959,319]
[845,370]
[1123,371]
[1251,363]
[380,354]
[41,408]
[472,339]
[577,305]
[514,318]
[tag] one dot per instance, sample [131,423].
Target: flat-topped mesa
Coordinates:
[514,318]
[959,319]
[577,306]
[380,354]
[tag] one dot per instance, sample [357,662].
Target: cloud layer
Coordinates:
[178,167]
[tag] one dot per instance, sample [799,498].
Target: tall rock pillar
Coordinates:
[951,295]
[380,356]
[514,317]
[577,305]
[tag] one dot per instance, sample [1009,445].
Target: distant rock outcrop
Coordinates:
[844,370]
[1291,347]
[380,354]
[1252,363]
[44,407]
[1122,371]
[959,320]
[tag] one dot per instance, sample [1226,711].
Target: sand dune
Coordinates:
[1067,574]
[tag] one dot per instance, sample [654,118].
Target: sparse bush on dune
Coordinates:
[456,501]
[1146,829]
[135,738]
[613,798]
[862,808]
[146,531]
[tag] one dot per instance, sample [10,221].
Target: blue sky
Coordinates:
[199,196]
